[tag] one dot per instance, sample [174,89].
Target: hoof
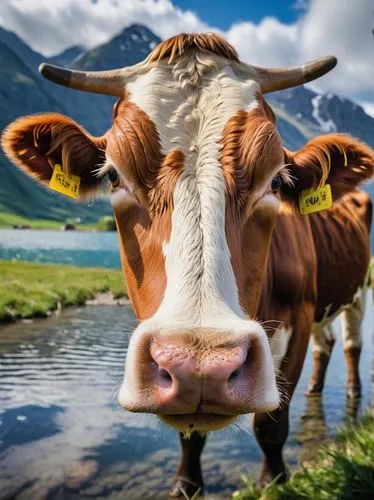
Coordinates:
[353,392]
[267,477]
[185,488]
[314,389]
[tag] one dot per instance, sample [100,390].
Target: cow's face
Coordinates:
[196,166]
[195,162]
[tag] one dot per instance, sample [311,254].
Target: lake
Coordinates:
[59,419]
[63,247]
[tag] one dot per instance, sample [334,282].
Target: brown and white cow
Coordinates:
[212,246]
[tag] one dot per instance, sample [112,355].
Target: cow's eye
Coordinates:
[276,183]
[113,177]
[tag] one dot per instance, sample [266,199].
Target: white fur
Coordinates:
[351,321]
[279,345]
[201,285]
[323,338]
[323,335]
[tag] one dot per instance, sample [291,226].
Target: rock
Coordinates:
[21,226]
[68,227]
[82,473]
[40,490]
[107,299]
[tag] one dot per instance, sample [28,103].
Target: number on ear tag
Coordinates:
[315,200]
[67,185]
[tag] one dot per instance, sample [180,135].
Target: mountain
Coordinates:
[29,57]
[323,113]
[66,57]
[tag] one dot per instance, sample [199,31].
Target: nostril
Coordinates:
[164,374]
[234,375]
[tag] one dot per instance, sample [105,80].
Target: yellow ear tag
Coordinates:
[315,200]
[67,185]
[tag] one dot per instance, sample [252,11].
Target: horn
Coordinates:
[284,78]
[101,82]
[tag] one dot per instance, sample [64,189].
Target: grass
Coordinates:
[343,470]
[30,289]
[8,220]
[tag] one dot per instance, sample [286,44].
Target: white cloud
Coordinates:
[269,43]
[339,27]
[49,26]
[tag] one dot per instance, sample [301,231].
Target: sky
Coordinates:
[225,13]
[265,32]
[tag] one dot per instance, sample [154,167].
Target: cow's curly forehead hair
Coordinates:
[175,47]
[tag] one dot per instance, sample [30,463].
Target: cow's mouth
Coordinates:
[198,422]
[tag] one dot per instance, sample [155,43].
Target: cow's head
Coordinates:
[197,172]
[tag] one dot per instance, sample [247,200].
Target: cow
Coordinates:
[221,268]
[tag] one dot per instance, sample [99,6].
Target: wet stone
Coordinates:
[140,468]
[94,491]
[162,456]
[40,490]
[82,473]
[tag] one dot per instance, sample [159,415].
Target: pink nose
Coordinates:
[170,375]
[180,365]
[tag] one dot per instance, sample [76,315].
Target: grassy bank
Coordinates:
[34,290]
[343,470]
[8,221]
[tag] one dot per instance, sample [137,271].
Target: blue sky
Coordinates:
[223,14]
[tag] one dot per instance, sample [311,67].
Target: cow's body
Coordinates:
[342,242]
[214,252]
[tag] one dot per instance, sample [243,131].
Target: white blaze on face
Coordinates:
[201,291]
[201,285]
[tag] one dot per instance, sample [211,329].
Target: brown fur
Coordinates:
[133,145]
[175,47]
[251,150]
[342,246]
[336,159]
[36,143]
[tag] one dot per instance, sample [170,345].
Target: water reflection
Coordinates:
[27,423]
[313,430]
[63,436]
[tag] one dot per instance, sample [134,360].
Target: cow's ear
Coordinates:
[335,159]
[37,143]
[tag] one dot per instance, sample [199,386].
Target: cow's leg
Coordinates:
[189,479]
[271,428]
[351,336]
[323,340]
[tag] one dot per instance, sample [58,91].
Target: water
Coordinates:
[65,247]
[58,415]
